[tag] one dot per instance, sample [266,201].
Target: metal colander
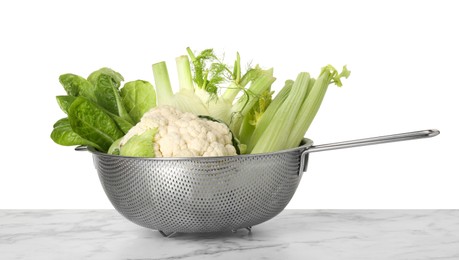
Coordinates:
[208,194]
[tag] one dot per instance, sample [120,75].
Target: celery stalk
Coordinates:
[308,111]
[268,115]
[311,84]
[276,134]
[312,103]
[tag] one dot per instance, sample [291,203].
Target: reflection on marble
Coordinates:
[294,234]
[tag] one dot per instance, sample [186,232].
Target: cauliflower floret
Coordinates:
[183,134]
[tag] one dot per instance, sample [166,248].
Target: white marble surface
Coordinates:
[294,234]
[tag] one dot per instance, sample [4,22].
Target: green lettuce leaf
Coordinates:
[140,145]
[64,135]
[138,97]
[92,123]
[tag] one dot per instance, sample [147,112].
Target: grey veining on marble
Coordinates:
[294,234]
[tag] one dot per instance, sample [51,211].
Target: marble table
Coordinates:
[294,234]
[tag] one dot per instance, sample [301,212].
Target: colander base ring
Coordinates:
[172,234]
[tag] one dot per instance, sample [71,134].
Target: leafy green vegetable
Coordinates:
[96,108]
[64,102]
[122,124]
[113,75]
[140,145]
[100,112]
[108,96]
[89,121]
[64,135]
[115,147]
[76,85]
[71,83]
[138,97]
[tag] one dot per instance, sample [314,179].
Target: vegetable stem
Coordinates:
[184,73]
[231,92]
[191,54]
[162,82]
[276,134]
[237,68]
[241,82]
[269,114]
[312,103]
[246,102]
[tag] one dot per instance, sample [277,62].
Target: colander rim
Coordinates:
[306,143]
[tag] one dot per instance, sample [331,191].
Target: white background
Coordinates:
[403,56]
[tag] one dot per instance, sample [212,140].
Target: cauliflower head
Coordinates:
[165,131]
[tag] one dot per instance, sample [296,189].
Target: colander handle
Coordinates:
[366,141]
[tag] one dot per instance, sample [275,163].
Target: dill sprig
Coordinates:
[210,72]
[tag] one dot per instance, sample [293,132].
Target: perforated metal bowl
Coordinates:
[208,194]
